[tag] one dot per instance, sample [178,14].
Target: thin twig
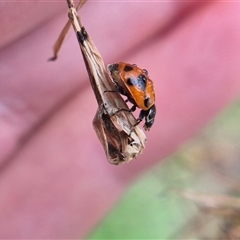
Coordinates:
[58,44]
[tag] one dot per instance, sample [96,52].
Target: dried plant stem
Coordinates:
[58,44]
[121,138]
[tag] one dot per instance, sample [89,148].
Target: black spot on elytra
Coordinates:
[128,68]
[130,82]
[147,102]
[140,82]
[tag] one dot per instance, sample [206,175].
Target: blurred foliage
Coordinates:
[193,194]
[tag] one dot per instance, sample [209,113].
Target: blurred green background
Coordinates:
[192,194]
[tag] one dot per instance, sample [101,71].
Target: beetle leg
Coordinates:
[141,116]
[109,91]
[132,109]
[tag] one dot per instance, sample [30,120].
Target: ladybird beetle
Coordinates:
[134,83]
